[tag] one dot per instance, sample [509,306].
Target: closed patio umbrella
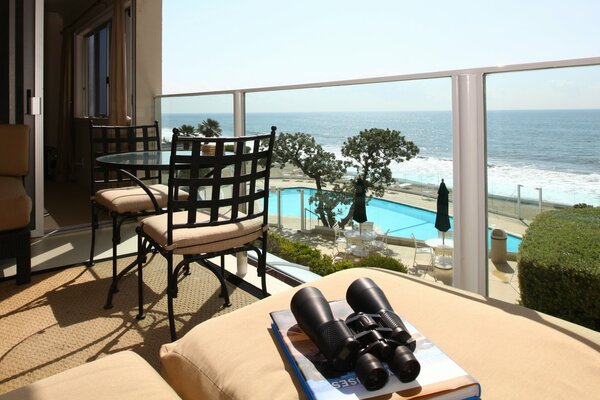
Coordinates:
[442,218]
[360,208]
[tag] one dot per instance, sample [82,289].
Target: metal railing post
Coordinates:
[239,129]
[278,191]
[540,204]
[519,201]
[470,270]
[302,216]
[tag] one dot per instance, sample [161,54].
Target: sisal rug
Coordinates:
[58,321]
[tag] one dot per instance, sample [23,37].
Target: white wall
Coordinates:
[148,56]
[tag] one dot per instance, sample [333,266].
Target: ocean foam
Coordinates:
[557,187]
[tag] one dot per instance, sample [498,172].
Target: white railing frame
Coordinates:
[469,152]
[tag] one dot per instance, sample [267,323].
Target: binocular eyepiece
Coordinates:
[372,334]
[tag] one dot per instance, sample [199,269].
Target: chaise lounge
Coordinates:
[512,351]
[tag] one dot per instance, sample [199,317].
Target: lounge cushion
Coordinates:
[123,375]
[204,239]
[15,204]
[514,352]
[131,198]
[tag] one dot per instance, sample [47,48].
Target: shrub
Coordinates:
[302,253]
[379,261]
[582,205]
[296,252]
[559,265]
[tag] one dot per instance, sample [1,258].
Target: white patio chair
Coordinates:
[340,243]
[380,246]
[422,250]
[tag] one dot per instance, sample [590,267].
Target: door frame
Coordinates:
[38,118]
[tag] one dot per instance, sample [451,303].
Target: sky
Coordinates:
[237,44]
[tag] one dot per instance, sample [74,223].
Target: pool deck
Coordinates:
[503,280]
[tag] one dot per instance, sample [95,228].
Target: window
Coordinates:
[97,43]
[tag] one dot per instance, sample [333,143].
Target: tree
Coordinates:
[209,128]
[187,130]
[370,153]
[302,151]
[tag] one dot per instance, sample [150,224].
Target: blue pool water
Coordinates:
[400,219]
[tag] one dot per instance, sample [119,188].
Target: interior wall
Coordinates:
[148,58]
[147,71]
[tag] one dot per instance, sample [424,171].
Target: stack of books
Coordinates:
[440,377]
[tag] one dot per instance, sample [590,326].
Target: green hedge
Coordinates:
[304,254]
[559,265]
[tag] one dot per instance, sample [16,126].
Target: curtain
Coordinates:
[65,157]
[117,88]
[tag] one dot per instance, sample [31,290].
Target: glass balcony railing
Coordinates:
[463,124]
[192,111]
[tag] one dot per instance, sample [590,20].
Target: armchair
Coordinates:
[15,204]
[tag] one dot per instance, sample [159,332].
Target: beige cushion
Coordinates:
[514,352]
[131,198]
[203,239]
[123,375]
[14,151]
[15,205]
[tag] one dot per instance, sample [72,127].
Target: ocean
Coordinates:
[555,150]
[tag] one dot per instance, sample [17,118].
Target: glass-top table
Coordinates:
[154,159]
[358,241]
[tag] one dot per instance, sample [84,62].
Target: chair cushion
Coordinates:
[131,198]
[14,152]
[124,375]
[202,240]
[15,205]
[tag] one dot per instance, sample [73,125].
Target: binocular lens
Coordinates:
[404,364]
[364,295]
[370,371]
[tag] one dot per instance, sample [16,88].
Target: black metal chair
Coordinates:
[226,210]
[118,193]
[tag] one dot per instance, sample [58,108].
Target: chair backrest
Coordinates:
[107,139]
[338,232]
[230,183]
[385,236]
[412,235]
[14,151]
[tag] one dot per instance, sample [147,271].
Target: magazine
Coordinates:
[440,377]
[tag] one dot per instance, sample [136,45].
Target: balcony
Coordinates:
[503,165]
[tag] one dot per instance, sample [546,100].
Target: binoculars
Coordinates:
[373,334]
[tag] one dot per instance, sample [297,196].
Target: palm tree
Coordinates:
[187,130]
[209,128]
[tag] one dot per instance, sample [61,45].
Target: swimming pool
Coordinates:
[400,219]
